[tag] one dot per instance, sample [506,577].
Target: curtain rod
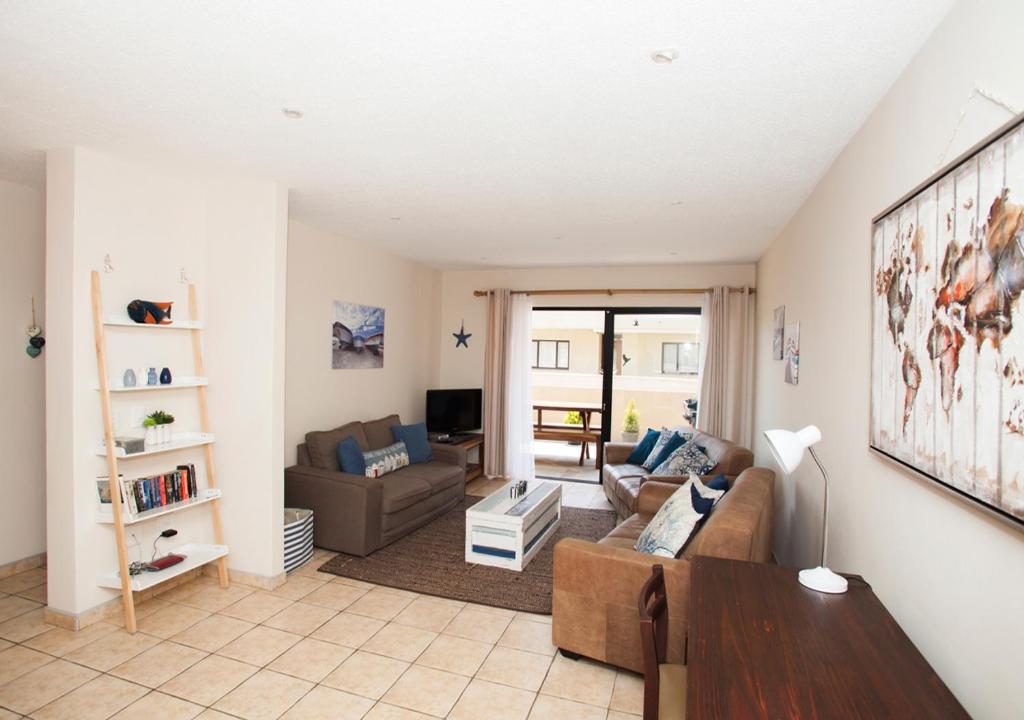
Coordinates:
[621,291]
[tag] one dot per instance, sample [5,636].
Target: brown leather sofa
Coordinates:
[596,584]
[355,514]
[622,481]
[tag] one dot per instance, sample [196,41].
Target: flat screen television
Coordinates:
[454,411]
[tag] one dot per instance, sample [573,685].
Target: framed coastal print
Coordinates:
[357,336]
[947,342]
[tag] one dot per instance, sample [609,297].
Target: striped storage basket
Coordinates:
[298,537]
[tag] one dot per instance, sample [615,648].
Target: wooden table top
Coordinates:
[761,645]
[566,405]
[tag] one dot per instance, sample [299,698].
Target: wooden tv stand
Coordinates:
[469,442]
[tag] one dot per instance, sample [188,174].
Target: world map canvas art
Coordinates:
[947,365]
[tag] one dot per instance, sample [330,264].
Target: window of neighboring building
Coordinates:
[551,354]
[680,358]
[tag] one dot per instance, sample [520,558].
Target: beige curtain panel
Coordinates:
[725,397]
[499,322]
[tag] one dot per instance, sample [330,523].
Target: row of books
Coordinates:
[155,491]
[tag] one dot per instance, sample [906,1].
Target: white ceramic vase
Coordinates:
[152,435]
[165,433]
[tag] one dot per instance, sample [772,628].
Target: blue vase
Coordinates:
[151,376]
[165,376]
[129,378]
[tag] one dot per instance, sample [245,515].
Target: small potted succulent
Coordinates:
[630,423]
[161,423]
[150,423]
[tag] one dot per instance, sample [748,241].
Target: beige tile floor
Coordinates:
[318,647]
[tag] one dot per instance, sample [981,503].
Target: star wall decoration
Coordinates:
[462,337]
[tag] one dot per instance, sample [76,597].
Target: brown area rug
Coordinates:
[431,560]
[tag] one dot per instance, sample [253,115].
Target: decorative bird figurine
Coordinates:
[626,359]
[462,337]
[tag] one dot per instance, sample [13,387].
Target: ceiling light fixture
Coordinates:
[665,56]
[292,114]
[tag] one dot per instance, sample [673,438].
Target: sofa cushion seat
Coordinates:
[401,489]
[438,475]
[625,470]
[627,531]
[627,490]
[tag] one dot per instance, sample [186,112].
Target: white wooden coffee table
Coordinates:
[508,532]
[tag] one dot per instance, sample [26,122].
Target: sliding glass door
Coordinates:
[607,373]
[654,361]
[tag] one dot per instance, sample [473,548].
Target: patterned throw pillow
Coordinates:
[686,460]
[387,459]
[667,438]
[672,526]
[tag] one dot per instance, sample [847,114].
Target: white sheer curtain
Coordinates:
[725,397]
[519,395]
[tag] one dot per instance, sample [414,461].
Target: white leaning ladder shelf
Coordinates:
[205,554]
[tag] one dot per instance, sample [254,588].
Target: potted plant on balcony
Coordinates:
[573,417]
[630,423]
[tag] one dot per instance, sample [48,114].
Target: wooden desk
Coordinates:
[586,434]
[761,645]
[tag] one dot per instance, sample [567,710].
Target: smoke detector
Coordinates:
[292,113]
[665,56]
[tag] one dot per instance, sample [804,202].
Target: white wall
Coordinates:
[22,423]
[464,367]
[950,574]
[322,268]
[230,236]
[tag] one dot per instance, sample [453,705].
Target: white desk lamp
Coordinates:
[788,448]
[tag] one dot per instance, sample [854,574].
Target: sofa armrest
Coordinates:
[346,507]
[616,453]
[595,593]
[449,454]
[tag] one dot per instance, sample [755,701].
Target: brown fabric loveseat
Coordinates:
[355,514]
[596,585]
[622,481]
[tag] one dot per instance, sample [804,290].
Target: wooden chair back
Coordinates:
[652,605]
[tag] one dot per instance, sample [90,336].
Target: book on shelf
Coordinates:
[152,492]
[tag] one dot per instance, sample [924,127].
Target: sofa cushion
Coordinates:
[629,529]
[627,489]
[401,489]
[416,442]
[378,432]
[614,473]
[644,447]
[386,460]
[437,475]
[323,444]
[664,448]
[684,460]
[350,457]
[672,526]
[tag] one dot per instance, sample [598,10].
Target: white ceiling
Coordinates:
[525,133]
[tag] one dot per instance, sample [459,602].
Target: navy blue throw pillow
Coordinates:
[643,448]
[700,503]
[416,443]
[675,442]
[718,482]
[350,457]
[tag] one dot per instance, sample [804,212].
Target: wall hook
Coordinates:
[183,277]
[108,267]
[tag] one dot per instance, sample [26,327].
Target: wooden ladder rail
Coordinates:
[108,438]
[204,426]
